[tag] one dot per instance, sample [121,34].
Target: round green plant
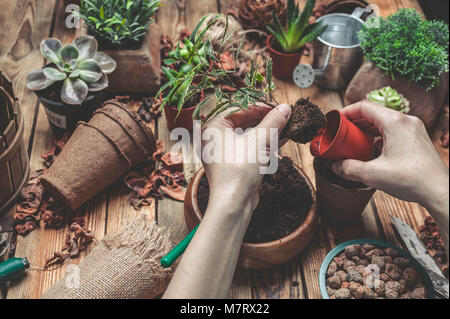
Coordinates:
[390,98]
[119,22]
[405,44]
[78,65]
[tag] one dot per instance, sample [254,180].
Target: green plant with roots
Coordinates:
[405,44]
[200,68]
[390,98]
[78,65]
[118,21]
[297,32]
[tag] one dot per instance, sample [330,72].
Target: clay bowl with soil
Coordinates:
[282,225]
[340,200]
[373,269]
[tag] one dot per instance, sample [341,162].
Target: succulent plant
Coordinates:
[78,65]
[390,98]
[297,32]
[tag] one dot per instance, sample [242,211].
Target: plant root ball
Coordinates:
[306,121]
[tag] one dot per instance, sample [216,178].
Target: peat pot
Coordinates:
[426,105]
[138,70]
[98,153]
[14,163]
[337,203]
[261,255]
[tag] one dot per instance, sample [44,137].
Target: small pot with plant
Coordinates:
[126,31]
[410,55]
[286,42]
[195,67]
[70,86]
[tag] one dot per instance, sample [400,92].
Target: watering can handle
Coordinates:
[358,12]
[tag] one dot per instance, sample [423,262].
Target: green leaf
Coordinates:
[199,108]
[311,32]
[100,84]
[90,71]
[299,25]
[50,49]
[291,11]
[107,64]
[37,80]
[74,91]
[69,53]
[54,75]
[197,27]
[87,47]
[102,12]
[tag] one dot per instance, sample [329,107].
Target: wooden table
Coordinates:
[26,22]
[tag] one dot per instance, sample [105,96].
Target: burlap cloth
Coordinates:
[124,265]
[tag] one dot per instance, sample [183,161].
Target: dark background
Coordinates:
[435,9]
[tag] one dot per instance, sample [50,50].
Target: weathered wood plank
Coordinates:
[24,24]
[42,243]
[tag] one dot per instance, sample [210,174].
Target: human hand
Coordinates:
[234,169]
[409,167]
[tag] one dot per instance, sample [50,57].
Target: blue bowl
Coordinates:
[339,249]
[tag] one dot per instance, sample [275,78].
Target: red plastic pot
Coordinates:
[184,119]
[283,63]
[340,139]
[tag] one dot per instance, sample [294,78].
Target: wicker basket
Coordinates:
[14,163]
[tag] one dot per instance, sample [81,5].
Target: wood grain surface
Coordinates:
[30,21]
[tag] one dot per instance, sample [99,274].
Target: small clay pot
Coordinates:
[261,255]
[98,154]
[284,64]
[184,119]
[341,139]
[337,203]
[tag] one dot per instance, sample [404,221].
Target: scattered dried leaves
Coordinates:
[431,237]
[147,182]
[77,240]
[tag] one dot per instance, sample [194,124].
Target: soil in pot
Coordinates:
[285,200]
[306,121]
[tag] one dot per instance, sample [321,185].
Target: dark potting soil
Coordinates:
[306,121]
[285,200]
[326,171]
[106,45]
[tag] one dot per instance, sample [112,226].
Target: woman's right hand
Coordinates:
[409,167]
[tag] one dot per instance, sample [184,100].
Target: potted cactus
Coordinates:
[69,86]
[286,42]
[410,55]
[390,98]
[126,31]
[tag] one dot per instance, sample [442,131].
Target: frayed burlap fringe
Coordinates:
[124,265]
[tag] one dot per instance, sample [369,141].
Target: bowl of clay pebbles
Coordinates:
[282,225]
[373,269]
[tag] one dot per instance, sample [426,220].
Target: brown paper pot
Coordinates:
[98,153]
[426,105]
[337,203]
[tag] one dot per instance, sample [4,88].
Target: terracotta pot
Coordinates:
[98,153]
[338,203]
[426,105]
[283,63]
[263,255]
[184,119]
[341,139]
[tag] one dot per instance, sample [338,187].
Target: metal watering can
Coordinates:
[337,53]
